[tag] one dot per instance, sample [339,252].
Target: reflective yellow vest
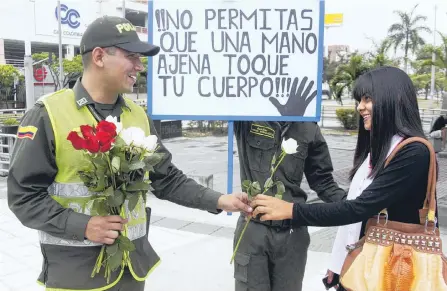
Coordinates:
[69,190]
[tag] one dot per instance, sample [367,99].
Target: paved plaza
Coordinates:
[195,246]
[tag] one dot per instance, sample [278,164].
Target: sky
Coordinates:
[365,19]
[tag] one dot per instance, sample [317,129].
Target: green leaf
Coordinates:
[115,260]
[278,196]
[100,184]
[268,183]
[133,201]
[138,186]
[117,199]
[249,193]
[124,166]
[124,178]
[256,188]
[112,249]
[137,165]
[125,244]
[280,186]
[116,162]
[136,157]
[119,143]
[109,191]
[99,207]
[246,184]
[153,158]
[100,162]
[86,177]
[149,168]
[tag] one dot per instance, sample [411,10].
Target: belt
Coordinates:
[278,224]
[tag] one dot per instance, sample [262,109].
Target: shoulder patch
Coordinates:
[26,132]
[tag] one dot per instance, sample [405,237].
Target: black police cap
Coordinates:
[109,31]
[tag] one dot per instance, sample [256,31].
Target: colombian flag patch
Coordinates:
[26,132]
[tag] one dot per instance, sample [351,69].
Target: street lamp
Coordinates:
[433,59]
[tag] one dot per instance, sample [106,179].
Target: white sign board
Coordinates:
[236,60]
[75,17]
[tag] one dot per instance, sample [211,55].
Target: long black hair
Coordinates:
[395,111]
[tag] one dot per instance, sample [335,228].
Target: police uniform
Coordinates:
[270,256]
[46,194]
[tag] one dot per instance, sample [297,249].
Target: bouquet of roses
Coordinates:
[120,160]
[288,146]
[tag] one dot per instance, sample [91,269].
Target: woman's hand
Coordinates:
[271,208]
[330,277]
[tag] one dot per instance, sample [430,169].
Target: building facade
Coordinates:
[36,21]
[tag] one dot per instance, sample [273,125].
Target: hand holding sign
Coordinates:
[298,100]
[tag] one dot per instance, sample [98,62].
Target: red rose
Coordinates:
[106,146]
[99,139]
[87,131]
[77,141]
[105,140]
[108,127]
[92,145]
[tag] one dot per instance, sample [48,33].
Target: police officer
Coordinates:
[44,168]
[270,256]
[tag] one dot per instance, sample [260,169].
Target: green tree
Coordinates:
[423,60]
[440,53]
[406,33]
[422,82]
[8,74]
[351,68]
[72,68]
[379,56]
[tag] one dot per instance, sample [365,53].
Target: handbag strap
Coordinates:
[430,199]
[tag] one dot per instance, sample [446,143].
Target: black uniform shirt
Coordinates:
[33,169]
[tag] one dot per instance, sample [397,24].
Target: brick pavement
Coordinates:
[185,236]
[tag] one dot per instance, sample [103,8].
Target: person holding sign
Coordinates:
[46,193]
[269,256]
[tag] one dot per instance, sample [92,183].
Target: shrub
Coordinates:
[348,117]
[10,121]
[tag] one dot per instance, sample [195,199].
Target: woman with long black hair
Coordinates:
[389,114]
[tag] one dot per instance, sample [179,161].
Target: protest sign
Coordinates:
[236,60]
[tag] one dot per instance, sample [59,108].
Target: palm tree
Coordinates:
[441,54]
[378,57]
[424,55]
[352,67]
[406,33]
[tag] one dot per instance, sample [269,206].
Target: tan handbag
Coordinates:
[396,256]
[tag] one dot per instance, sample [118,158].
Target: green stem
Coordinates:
[239,241]
[283,154]
[109,163]
[281,157]
[115,210]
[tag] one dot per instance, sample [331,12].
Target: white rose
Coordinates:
[136,137]
[114,120]
[150,142]
[133,135]
[289,146]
